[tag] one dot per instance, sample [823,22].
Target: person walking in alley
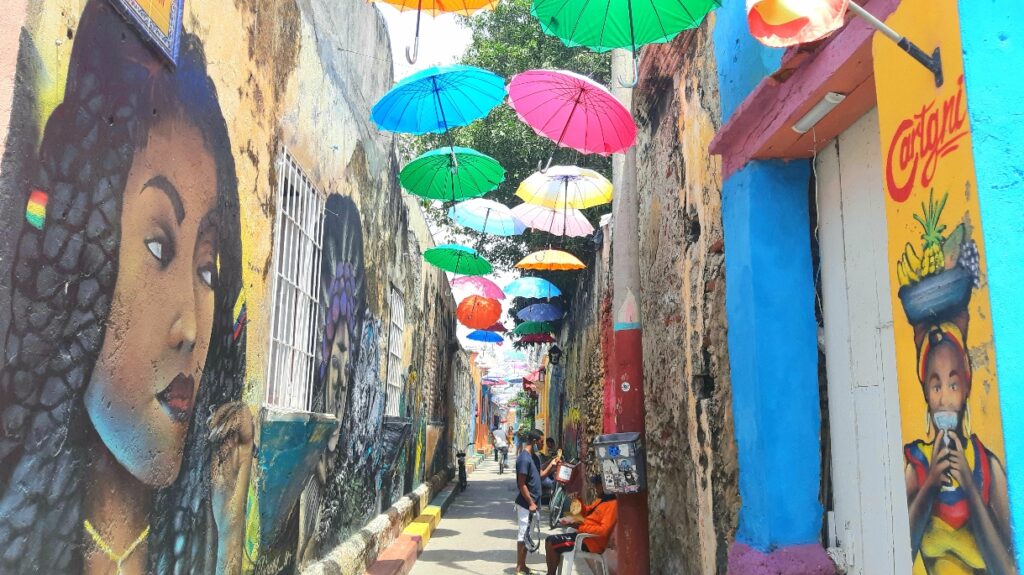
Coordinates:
[500,446]
[528,482]
[598,519]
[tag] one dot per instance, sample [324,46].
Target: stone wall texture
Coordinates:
[692,467]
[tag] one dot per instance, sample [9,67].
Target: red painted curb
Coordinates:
[397,559]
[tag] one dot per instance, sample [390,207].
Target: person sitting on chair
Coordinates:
[598,519]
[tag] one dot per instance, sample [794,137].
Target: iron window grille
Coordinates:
[394,379]
[296,322]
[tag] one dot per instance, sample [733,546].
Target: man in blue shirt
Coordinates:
[528,481]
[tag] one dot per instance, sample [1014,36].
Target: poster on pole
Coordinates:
[159,22]
[954,464]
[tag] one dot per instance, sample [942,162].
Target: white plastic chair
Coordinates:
[594,562]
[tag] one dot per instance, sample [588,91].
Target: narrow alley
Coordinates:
[477,536]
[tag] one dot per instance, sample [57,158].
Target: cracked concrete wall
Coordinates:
[692,459]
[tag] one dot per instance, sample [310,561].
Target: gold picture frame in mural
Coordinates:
[159,21]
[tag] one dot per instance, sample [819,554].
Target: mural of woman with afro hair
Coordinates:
[123,445]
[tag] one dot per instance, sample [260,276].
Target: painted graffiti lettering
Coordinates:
[921,140]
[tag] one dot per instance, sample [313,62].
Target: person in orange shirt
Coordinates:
[598,519]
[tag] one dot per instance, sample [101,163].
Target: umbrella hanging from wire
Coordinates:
[572,110]
[563,187]
[550,260]
[537,338]
[458,260]
[608,24]
[437,99]
[486,216]
[541,312]
[566,222]
[451,174]
[485,336]
[478,285]
[531,287]
[478,312]
[498,327]
[434,8]
[532,327]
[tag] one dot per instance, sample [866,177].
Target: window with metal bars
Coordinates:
[296,321]
[394,380]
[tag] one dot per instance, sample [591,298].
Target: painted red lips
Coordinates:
[176,398]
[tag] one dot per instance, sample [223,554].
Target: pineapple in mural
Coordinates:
[938,251]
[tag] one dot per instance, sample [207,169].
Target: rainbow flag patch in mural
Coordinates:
[35,211]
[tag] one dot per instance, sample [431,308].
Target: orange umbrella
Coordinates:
[434,8]
[478,312]
[550,260]
[788,22]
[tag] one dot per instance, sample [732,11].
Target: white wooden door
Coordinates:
[870,516]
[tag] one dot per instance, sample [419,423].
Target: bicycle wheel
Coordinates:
[556,506]
[532,541]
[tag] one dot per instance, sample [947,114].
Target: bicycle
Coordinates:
[559,499]
[502,459]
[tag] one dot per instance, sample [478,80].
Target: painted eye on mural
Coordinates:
[208,275]
[161,250]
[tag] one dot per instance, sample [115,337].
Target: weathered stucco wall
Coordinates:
[137,212]
[692,469]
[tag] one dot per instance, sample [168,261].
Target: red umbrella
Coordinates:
[498,327]
[537,338]
[478,312]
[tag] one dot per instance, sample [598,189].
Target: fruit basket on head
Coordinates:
[938,284]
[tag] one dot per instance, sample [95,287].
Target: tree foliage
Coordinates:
[508,41]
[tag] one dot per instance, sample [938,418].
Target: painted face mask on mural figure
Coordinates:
[142,392]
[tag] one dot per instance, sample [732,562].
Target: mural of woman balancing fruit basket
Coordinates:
[123,445]
[956,486]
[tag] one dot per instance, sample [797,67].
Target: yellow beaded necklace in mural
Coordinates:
[118,559]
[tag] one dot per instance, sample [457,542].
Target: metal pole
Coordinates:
[933,63]
[627,381]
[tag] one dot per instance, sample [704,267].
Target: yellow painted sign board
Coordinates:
[945,357]
[159,11]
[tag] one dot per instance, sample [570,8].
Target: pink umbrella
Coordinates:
[478,285]
[572,110]
[565,222]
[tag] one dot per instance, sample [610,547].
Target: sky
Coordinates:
[442,39]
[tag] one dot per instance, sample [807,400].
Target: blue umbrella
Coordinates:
[484,336]
[532,288]
[541,312]
[437,99]
[486,216]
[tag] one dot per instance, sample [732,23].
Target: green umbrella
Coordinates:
[451,174]
[608,24]
[531,327]
[458,260]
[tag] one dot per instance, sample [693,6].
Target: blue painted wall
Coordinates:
[742,60]
[770,309]
[773,353]
[992,47]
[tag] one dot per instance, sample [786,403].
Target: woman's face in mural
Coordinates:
[336,368]
[143,388]
[945,374]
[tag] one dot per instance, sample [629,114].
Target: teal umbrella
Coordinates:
[458,260]
[451,174]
